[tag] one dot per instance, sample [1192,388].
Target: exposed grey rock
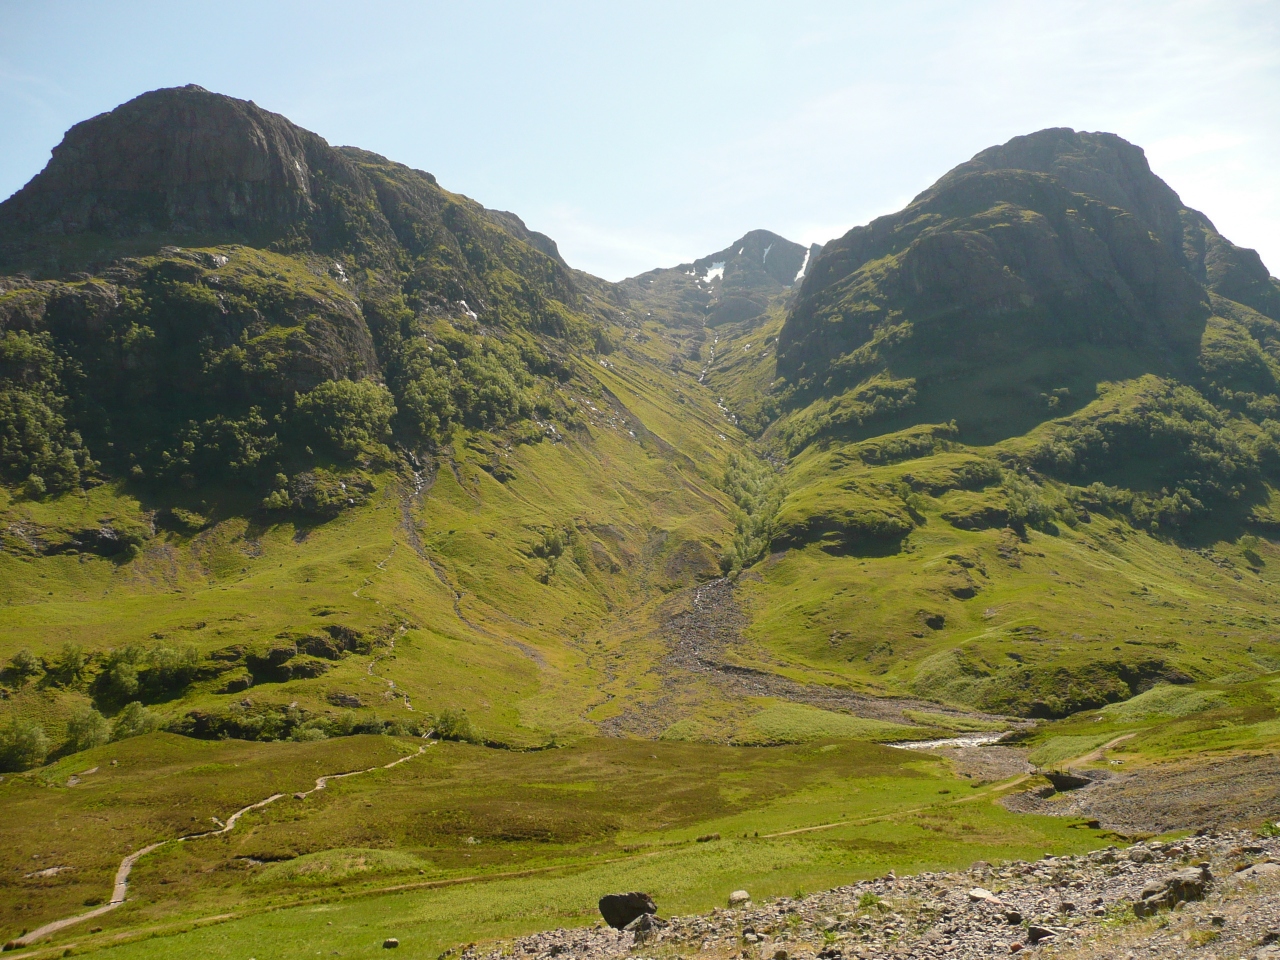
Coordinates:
[1169,891]
[932,915]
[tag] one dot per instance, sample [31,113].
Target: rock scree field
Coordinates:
[371,578]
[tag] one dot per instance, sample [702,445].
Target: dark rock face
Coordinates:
[1064,780]
[1060,251]
[1115,171]
[179,161]
[620,909]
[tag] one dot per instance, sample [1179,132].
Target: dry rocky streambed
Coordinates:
[1210,897]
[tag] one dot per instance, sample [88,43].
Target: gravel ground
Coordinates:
[1205,792]
[1067,907]
[700,628]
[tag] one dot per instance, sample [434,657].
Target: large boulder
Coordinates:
[620,909]
[1169,891]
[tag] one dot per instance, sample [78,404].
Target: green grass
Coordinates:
[798,723]
[573,823]
[1164,702]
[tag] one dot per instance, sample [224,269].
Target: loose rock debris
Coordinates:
[1210,897]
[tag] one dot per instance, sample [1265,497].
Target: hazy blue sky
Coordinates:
[645,134]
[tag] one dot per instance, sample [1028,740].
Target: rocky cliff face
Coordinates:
[1049,263]
[1110,169]
[733,285]
[180,162]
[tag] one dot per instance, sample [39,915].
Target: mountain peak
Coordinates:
[732,285]
[1111,169]
[178,161]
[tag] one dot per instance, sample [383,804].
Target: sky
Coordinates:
[640,135]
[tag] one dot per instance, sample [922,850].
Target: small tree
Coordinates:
[68,666]
[24,665]
[23,745]
[456,725]
[133,721]
[87,728]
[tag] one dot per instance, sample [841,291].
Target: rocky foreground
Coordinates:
[1211,897]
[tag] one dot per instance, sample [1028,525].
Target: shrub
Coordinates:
[456,725]
[133,721]
[87,728]
[23,745]
[169,670]
[118,681]
[347,414]
[68,666]
[24,665]
[1027,505]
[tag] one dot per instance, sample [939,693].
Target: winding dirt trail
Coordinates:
[120,889]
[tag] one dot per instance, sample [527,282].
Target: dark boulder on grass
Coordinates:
[620,909]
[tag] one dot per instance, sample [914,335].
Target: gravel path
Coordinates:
[120,889]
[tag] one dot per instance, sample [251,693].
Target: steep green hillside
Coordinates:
[308,464]
[1031,442]
[297,443]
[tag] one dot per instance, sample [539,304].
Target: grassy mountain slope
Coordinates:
[1030,441]
[299,447]
[303,442]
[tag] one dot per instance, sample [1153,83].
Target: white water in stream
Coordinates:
[966,740]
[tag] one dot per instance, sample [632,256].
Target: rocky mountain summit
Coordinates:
[1048,263]
[735,285]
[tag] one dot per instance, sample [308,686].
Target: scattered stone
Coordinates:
[644,927]
[982,895]
[738,898]
[390,943]
[620,909]
[934,915]
[1257,870]
[1037,934]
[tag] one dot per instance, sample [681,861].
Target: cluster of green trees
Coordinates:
[127,677]
[165,387]
[37,446]
[1164,455]
[24,743]
[756,490]
[151,673]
